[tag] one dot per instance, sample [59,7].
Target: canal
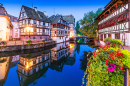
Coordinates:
[60,65]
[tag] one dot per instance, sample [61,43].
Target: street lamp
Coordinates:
[28,30]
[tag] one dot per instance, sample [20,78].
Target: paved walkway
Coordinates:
[125,47]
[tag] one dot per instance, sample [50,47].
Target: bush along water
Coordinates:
[106,66]
[113,42]
[43,41]
[29,42]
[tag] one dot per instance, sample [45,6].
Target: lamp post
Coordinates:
[28,30]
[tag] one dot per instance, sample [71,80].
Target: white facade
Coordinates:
[5,29]
[16,30]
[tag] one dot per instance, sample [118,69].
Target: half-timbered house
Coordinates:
[71,20]
[33,24]
[114,21]
[60,29]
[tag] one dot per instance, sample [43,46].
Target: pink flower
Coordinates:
[87,58]
[111,69]
[119,68]
[113,65]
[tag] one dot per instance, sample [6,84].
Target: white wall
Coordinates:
[113,36]
[4,29]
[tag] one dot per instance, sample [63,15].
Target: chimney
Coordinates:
[44,13]
[1,5]
[35,8]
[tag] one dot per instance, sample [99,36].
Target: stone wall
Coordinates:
[25,47]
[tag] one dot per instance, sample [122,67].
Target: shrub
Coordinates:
[43,40]
[109,39]
[29,42]
[116,42]
[106,67]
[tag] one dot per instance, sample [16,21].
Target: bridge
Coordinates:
[86,39]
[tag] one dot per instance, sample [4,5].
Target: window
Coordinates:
[43,23]
[23,21]
[35,29]
[38,30]
[28,21]
[46,24]
[43,30]
[40,37]
[34,22]
[16,34]
[117,36]
[16,29]
[34,37]
[23,15]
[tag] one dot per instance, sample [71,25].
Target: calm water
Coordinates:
[60,65]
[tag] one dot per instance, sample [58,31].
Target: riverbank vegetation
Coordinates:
[106,66]
[89,25]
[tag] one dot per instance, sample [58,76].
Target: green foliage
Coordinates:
[81,40]
[116,42]
[109,39]
[4,43]
[43,40]
[98,73]
[89,25]
[78,32]
[29,42]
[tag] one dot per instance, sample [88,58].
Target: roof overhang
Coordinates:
[106,7]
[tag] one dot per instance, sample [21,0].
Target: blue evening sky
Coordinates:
[64,7]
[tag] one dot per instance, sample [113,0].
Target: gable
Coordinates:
[23,14]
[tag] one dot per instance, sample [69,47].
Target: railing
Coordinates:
[34,33]
[34,25]
[118,27]
[117,12]
[126,75]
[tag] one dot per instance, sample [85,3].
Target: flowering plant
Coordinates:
[106,67]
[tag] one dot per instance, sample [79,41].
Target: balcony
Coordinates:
[35,26]
[34,33]
[117,28]
[115,13]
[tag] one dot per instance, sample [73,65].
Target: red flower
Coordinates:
[123,71]
[113,58]
[88,63]
[109,57]
[106,62]
[122,68]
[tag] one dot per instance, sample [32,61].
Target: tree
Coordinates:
[89,25]
[77,29]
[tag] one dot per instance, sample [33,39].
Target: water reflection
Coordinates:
[34,64]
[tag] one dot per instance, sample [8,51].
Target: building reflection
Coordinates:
[4,69]
[32,66]
[61,56]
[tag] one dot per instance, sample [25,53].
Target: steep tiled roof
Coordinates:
[69,18]
[3,11]
[13,18]
[54,19]
[38,15]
